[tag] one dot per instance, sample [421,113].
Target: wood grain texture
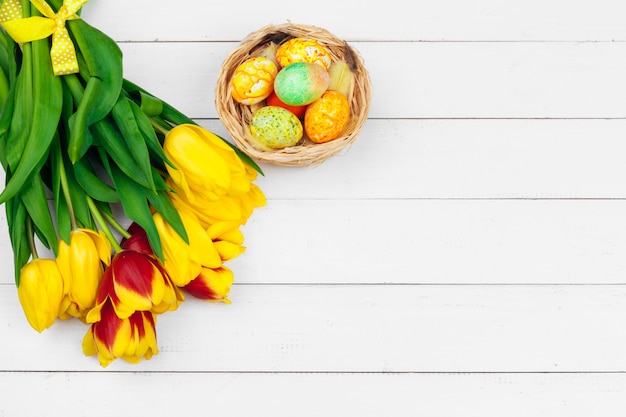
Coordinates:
[465,257]
[315,394]
[481,20]
[361,328]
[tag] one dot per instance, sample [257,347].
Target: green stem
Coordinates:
[116,225]
[74,86]
[97,215]
[25,8]
[66,193]
[31,238]
[157,127]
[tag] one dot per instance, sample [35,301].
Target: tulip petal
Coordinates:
[226,231]
[212,284]
[228,250]
[102,245]
[136,281]
[40,292]
[108,337]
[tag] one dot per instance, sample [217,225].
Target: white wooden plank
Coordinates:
[484,20]
[463,159]
[363,241]
[428,241]
[302,394]
[423,80]
[358,328]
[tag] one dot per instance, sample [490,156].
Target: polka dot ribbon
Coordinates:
[29,29]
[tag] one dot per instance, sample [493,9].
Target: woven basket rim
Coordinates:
[236,117]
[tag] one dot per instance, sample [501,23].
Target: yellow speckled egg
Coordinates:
[275,127]
[303,50]
[253,80]
[326,118]
[301,83]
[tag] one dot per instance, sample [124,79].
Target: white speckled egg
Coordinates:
[274,127]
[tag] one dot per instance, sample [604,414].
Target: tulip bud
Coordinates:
[40,292]
[206,167]
[82,264]
[211,284]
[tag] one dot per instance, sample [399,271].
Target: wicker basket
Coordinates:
[236,117]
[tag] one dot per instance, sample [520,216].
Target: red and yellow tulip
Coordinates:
[211,284]
[135,282]
[132,338]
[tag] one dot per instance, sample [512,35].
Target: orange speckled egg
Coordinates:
[253,80]
[327,117]
[303,50]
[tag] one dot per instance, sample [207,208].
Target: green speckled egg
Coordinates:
[301,83]
[275,127]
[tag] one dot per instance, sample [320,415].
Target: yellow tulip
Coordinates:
[183,261]
[228,240]
[211,212]
[206,167]
[230,208]
[40,292]
[82,264]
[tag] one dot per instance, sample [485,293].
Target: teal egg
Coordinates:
[301,83]
[275,127]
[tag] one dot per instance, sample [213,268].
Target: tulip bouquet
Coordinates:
[79,143]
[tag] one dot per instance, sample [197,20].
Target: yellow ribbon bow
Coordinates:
[29,29]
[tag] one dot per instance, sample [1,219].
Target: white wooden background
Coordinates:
[466,257]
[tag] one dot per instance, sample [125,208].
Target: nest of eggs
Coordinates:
[236,117]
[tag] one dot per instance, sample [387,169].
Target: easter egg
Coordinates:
[301,83]
[303,50]
[273,100]
[274,127]
[253,80]
[326,118]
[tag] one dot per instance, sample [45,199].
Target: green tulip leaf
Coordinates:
[109,138]
[149,104]
[93,184]
[102,67]
[40,105]
[34,197]
[149,135]
[163,204]
[17,218]
[64,226]
[124,118]
[136,205]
